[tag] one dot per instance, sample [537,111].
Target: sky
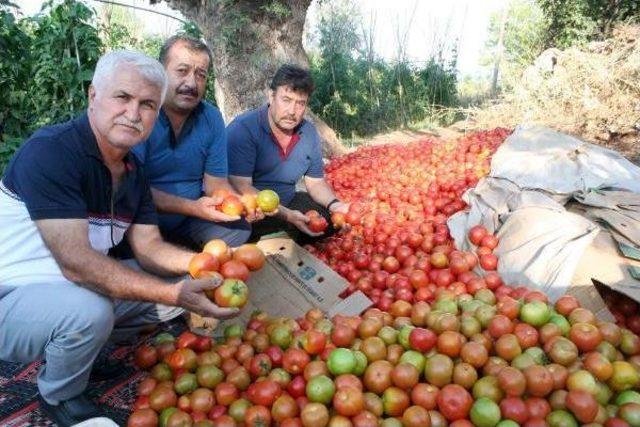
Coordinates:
[426,23]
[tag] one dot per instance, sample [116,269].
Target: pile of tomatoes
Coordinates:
[447,343]
[231,266]
[394,243]
[482,359]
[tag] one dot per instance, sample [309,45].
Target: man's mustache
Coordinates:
[137,126]
[186,90]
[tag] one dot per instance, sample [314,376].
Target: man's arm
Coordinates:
[156,255]
[67,239]
[243,184]
[212,183]
[321,193]
[204,207]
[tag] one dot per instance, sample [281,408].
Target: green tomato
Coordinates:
[486,296]
[403,336]
[238,409]
[628,396]
[562,322]
[165,414]
[537,354]
[391,422]
[561,418]
[162,372]
[447,306]
[209,376]
[185,383]
[484,314]
[470,306]
[320,389]
[361,363]
[162,338]
[388,334]
[233,331]
[341,361]
[624,377]
[485,413]
[535,313]
[604,393]
[488,387]
[523,361]
[281,336]
[415,358]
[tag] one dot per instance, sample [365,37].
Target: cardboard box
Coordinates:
[291,282]
[602,263]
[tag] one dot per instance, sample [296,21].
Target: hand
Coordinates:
[259,215]
[206,209]
[255,215]
[340,207]
[192,297]
[300,220]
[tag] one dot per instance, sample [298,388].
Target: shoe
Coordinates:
[107,370]
[71,411]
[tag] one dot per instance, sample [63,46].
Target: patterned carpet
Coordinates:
[19,392]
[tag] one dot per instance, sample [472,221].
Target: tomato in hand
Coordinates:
[232,293]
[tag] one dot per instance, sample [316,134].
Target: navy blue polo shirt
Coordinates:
[177,165]
[59,174]
[254,152]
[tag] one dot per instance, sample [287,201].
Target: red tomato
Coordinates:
[454,402]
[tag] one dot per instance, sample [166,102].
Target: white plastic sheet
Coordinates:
[533,174]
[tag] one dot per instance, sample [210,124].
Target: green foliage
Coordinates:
[360,94]
[235,21]
[48,62]
[276,9]
[15,74]
[571,22]
[191,29]
[523,40]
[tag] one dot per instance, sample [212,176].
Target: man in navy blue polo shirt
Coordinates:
[72,192]
[273,147]
[187,153]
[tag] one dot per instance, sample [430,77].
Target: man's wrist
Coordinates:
[283,213]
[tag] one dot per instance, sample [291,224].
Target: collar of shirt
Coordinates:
[90,144]
[163,119]
[91,149]
[263,119]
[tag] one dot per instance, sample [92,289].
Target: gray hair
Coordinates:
[150,69]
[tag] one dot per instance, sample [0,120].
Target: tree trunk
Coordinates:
[250,40]
[499,52]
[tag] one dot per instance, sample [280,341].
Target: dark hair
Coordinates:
[297,78]
[192,44]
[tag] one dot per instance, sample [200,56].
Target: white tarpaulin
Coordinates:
[533,174]
[541,158]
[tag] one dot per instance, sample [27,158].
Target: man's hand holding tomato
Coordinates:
[232,293]
[191,295]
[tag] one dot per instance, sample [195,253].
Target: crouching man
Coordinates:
[72,192]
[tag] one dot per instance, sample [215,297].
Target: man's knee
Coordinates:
[238,236]
[91,312]
[234,233]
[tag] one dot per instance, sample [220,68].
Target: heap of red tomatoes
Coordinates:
[394,243]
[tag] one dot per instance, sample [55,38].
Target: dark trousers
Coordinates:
[301,202]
